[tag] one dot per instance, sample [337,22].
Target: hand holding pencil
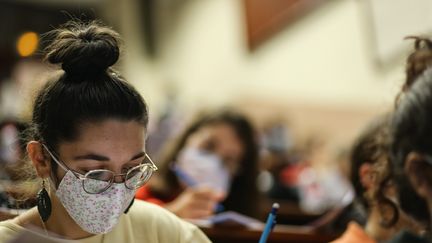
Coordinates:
[195,201]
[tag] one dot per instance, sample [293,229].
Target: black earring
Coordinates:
[130,205]
[43,203]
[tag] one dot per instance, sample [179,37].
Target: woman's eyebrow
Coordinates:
[98,157]
[139,155]
[91,157]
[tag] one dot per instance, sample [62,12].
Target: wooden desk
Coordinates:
[289,213]
[281,233]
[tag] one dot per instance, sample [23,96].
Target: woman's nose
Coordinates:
[119,178]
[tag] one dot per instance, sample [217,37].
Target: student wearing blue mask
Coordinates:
[213,162]
[86,144]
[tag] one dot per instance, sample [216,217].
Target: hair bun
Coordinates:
[84,49]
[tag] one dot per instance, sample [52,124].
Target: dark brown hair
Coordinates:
[88,89]
[373,147]
[412,125]
[417,62]
[377,142]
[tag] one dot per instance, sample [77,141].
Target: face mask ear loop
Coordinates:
[55,159]
[130,205]
[53,180]
[53,177]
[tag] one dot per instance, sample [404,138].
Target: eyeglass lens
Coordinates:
[98,181]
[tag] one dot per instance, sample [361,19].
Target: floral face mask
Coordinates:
[94,213]
[94,201]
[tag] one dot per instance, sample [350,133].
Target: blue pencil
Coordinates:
[271,222]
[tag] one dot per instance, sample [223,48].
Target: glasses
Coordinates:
[98,181]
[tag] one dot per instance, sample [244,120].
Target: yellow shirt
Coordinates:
[144,222]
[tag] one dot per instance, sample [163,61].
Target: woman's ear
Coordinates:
[41,163]
[366,175]
[416,169]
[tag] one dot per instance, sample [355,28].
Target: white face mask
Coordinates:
[204,168]
[94,213]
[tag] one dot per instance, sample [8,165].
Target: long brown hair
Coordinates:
[243,195]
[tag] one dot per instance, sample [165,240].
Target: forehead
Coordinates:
[110,128]
[225,135]
[107,136]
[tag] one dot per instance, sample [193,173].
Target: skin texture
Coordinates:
[219,139]
[109,144]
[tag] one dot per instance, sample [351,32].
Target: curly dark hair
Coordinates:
[412,124]
[373,146]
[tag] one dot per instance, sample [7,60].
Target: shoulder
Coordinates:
[142,211]
[8,230]
[354,233]
[164,225]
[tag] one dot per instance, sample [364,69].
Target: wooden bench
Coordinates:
[281,233]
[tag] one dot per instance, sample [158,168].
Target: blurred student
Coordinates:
[87,148]
[12,146]
[375,191]
[12,153]
[412,141]
[214,161]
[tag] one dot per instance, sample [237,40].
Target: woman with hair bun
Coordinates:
[86,144]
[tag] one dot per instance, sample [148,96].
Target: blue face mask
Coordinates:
[202,168]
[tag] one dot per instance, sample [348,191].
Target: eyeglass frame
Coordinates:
[82,177]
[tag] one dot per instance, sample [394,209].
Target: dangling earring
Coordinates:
[44,203]
[130,205]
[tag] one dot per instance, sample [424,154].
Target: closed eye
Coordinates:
[208,145]
[131,166]
[86,170]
